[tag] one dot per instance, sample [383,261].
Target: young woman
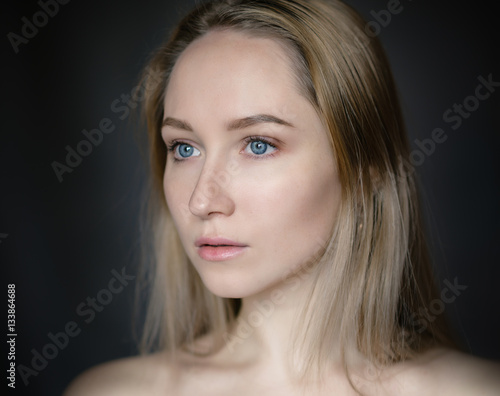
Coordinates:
[288,249]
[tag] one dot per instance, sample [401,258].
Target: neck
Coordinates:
[262,332]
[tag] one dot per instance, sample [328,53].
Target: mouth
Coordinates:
[217,242]
[219,249]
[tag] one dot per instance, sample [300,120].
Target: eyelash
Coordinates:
[171,146]
[262,139]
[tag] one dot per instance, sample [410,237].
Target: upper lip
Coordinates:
[217,241]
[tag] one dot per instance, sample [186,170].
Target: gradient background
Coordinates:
[65,238]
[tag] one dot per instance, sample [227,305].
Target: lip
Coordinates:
[218,249]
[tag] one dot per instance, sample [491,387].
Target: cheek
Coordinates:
[296,210]
[177,195]
[169,188]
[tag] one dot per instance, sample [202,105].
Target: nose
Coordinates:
[210,196]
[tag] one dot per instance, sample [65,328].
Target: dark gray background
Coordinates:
[65,238]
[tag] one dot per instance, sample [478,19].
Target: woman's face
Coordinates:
[250,178]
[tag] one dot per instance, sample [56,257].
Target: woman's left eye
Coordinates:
[259,147]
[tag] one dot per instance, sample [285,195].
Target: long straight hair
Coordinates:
[374,276]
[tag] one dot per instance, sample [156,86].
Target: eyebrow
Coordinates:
[178,124]
[241,123]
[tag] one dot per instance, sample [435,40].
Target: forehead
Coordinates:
[229,65]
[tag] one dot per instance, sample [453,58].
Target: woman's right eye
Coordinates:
[183,151]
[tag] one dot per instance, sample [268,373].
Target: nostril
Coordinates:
[209,199]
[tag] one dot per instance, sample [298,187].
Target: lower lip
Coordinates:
[220,253]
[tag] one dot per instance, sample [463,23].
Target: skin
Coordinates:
[268,202]
[220,78]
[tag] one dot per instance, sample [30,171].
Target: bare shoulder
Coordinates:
[149,374]
[471,375]
[447,372]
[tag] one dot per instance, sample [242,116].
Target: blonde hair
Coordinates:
[374,274]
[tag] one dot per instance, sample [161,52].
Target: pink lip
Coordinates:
[218,249]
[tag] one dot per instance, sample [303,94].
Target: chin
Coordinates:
[231,287]
[228,291]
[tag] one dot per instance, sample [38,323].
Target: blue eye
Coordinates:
[183,150]
[259,147]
